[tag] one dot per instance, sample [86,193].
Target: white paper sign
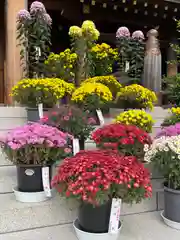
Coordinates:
[58,104]
[100,116]
[40,110]
[76,147]
[115,215]
[38,52]
[46,182]
[127,66]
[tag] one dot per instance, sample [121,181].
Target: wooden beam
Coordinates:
[173,1]
[49,4]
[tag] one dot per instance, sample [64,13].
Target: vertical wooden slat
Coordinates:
[13,67]
[2,51]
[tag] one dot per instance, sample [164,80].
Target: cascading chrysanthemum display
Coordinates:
[34,35]
[23,16]
[122,32]
[83,39]
[137,55]
[139,35]
[37,7]
[123,45]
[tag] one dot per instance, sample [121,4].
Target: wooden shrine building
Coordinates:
[108,16]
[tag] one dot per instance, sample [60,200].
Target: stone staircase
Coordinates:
[53,219]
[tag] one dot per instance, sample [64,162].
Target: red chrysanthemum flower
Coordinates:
[97,176]
[127,139]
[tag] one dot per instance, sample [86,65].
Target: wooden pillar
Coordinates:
[171,55]
[2,51]
[13,69]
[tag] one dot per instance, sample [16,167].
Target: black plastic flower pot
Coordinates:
[94,219]
[172,204]
[29,178]
[82,143]
[105,110]
[33,114]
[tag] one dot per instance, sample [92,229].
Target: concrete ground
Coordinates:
[144,226]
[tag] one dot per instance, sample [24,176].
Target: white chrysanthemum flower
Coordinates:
[164,144]
[146,147]
[123,32]
[138,35]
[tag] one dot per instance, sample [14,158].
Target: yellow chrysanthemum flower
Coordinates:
[89,30]
[87,89]
[62,65]
[104,50]
[137,93]
[104,58]
[136,117]
[175,111]
[88,24]
[48,91]
[75,31]
[109,81]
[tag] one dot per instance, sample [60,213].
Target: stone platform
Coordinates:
[53,219]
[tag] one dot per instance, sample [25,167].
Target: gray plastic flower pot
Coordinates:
[33,114]
[172,204]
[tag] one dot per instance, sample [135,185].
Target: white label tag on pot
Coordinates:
[127,66]
[38,52]
[29,172]
[100,116]
[115,215]
[40,110]
[46,182]
[76,147]
[58,104]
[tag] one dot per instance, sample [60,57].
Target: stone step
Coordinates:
[157,113]
[8,179]
[57,232]
[3,160]
[10,123]
[143,226]
[13,112]
[16,216]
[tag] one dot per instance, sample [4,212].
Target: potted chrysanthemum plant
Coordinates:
[127,139]
[40,94]
[136,96]
[34,148]
[173,118]
[164,153]
[93,97]
[99,180]
[136,117]
[71,119]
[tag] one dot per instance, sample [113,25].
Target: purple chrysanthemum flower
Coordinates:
[169,131]
[138,35]
[23,15]
[36,134]
[37,7]
[47,19]
[123,32]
